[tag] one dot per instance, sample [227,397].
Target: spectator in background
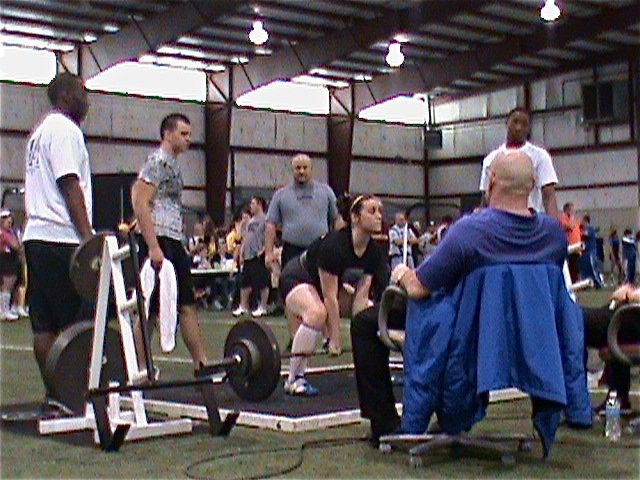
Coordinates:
[396,241]
[305,209]
[10,265]
[442,229]
[255,275]
[196,240]
[589,264]
[629,256]
[614,257]
[234,240]
[571,225]
[542,197]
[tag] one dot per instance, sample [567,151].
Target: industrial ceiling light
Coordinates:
[395,57]
[550,11]
[258,35]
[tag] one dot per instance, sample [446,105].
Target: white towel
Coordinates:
[168,314]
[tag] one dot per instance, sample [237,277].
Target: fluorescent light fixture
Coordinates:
[192,52]
[181,63]
[325,82]
[37,43]
[89,37]
[263,51]
[550,11]
[362,77]
[110,27]
[11,27]
[239,60]
[258,35]
[319,71]
[401,38]
[395,57]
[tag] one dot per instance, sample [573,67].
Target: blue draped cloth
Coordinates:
[503,326]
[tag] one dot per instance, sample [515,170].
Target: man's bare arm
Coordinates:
[142,194]
[549,200]
[69,187]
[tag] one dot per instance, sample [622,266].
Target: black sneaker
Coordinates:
[325,345]
[380,429]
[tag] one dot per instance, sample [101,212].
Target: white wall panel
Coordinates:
[109,115]
[264,170]
[473,107]
[12,152]
[391,141]
[493,135]
[447,150]
[301,132]
[140,118]
[468,141]
[446,112]
[502,101]
[194,199]
[614,133]
[597,167]
[252,128]
[386,178]
[286,131]
[454,179]
[601,198]
[562,130]
[17,106]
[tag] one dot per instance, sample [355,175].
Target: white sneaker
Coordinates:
[20,311]
[238,312]
[259,312]
[300,387]
[9,316]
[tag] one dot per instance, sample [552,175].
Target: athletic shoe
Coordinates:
[238,312]
[300,388]
[325,345]
[9,316]
[21,311]
[259,312]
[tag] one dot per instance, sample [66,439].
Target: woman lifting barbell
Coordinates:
[310,283]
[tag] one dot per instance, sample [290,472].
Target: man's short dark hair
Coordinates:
[62,83]
[518,110]
[587,218]
[170,122]
[567,206]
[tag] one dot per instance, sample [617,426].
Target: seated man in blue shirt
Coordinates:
[505,232]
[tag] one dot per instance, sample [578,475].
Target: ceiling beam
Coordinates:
[423,77]
[139,37]
[359,35]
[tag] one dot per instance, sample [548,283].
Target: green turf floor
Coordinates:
[332,453]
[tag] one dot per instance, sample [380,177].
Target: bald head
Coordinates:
[512,172]
[302,168]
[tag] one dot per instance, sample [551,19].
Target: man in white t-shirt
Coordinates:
[59,210]
[543,196]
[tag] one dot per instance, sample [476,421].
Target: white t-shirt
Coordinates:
[55,149]
[542,166]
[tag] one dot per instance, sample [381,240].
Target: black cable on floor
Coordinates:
[299,460]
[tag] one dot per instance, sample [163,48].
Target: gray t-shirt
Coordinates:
[162,170]
[305,212]
[254,237]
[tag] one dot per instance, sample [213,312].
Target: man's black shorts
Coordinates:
[255,274]
[176,254]
[54,303]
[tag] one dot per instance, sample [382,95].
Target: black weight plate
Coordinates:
[84,270]
[67,368]
[259,384]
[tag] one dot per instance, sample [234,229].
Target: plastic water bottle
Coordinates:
[612,428]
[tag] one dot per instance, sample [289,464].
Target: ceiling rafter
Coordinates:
[430,74]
